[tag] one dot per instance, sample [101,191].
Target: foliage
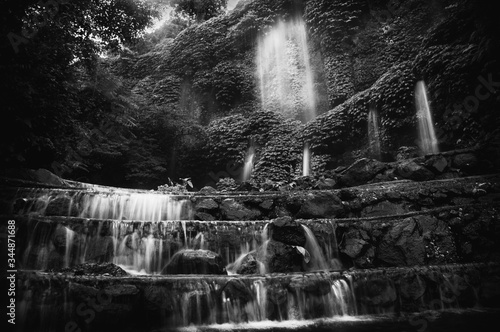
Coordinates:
[281,155]
[278,148]
[46,106]
[176,188]
[216,57]
[345,127]
[200,10]
[139,117]
[333,21]
[226,184]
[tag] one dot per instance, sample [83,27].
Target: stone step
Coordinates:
[363,201]
[107,302]
[452,234]
[462,320]
[444,165]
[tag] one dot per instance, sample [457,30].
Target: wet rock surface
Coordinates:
[94,269]
[279,257]
[195,262]
[287,231]
[233,210]
[164,300]
[361,172]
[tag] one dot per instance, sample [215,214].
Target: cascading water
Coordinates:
[146,207]
[115,205]
[426,133]
[249,161]
[306,161]
[285,73]
[70,235]
[318,260]
[374,133]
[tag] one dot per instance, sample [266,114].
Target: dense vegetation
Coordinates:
[182,101]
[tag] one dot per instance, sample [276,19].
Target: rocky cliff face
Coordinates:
[364,54]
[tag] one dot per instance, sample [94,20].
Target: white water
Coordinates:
[136,206]
[374,133]
[426,133]
[110,205]
[249,161]
[70,235]
[284,70]
[318,261]
[263,266]
[306,162]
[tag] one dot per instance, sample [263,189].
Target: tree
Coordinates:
[49,46]
[200,10]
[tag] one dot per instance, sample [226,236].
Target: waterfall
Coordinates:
[70,235]
[249,160]
[285,74]
[318,261]
[374,133]
[136,206]
[426,133]
[306,162]
[139,206]
[263,268]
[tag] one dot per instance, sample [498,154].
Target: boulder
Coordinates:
[206,204]
[195,262]
[237,290]
[321,205]
[413,171]
[280,258]
[204,216]
[94,269]
[267,204]
[437,163]
[326,184]
[286,230]
[407,152]
[352,247]
[247,265]
[233,210]
[208,190]
[365,261]
[402,245]
[465,162]
[361,172]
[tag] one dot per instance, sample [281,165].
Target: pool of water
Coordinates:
[430,321]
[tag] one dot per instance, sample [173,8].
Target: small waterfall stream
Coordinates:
[374,133]
[306,161]
[249,162]
[426,132]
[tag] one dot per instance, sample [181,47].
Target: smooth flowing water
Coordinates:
[306,161]
[426,132]
[249,161]
[285,74]
[374,133]
[318,260]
